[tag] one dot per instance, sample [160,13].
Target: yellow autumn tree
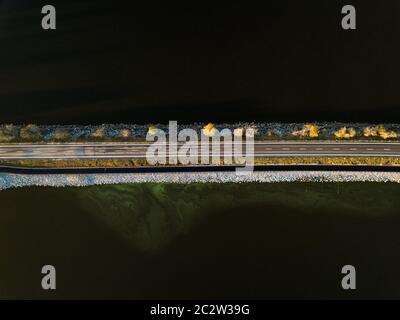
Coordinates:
[152,130]
[345,133]
[125,133]
[209,130]
[99,133]
[308,130]
[379,131]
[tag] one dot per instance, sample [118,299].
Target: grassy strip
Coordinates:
[110,163]
[376,161]
[81,163]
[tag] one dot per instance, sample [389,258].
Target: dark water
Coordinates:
[144,62]
[201,240]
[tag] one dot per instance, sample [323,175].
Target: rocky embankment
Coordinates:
[80,180]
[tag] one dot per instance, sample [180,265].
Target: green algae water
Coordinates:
[282,240]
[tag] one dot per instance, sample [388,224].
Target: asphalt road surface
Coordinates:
[138,150]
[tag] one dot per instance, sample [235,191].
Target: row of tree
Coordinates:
[313,131]
[34,133]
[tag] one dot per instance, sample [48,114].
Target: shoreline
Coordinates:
[10,180]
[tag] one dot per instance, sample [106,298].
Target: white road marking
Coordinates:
[144,156]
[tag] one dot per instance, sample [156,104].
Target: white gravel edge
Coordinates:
[8,181]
